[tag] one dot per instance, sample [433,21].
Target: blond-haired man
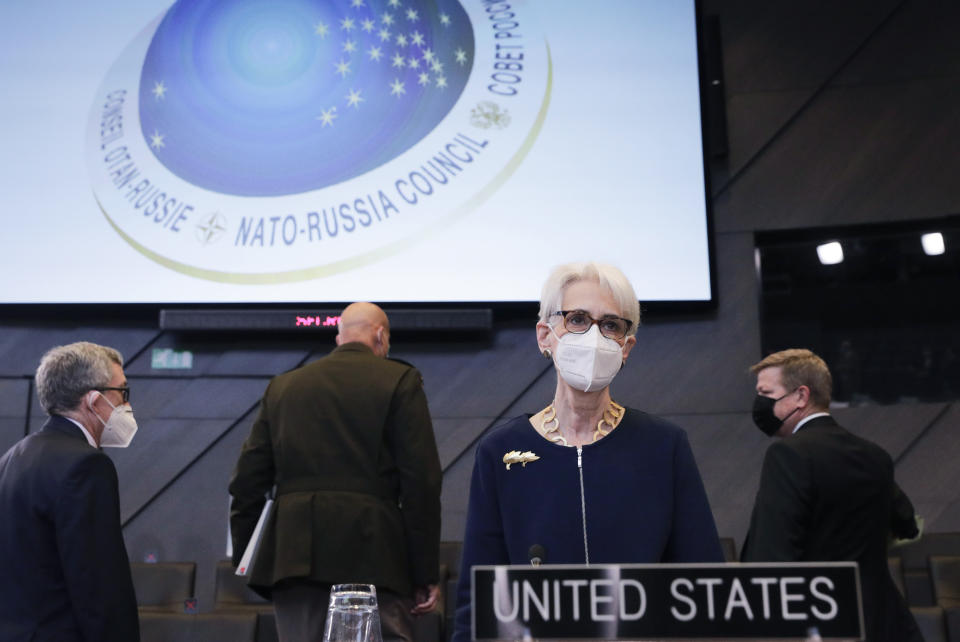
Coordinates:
[825,494]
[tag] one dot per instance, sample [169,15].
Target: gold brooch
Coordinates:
[517,457]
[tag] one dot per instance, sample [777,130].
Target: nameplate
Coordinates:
[785,601]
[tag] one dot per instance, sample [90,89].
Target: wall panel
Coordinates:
[22,345]
[214,355]
[859,154]
[930,475]
[188,522]
[13,411]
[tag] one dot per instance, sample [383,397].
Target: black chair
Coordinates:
[163,586]
[451,553]
[231,590]
[945,579]
[232,595]
[930,619]
[157,626]
[952,616]
[915,559]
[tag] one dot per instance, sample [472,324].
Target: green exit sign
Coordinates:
[169,359]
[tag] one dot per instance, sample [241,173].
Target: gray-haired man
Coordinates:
[65,574]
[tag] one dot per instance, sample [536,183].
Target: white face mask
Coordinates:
[120,427]
[587,361]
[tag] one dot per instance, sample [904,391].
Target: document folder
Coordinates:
[253,546]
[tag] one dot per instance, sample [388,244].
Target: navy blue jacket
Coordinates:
[642,492]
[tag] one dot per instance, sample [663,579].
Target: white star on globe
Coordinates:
[326,116]
[354,99]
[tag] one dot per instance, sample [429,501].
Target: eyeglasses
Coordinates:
[578,322]
[124,392]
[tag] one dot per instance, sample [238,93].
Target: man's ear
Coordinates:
[804,394]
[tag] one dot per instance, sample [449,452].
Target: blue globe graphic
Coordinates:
[276,97]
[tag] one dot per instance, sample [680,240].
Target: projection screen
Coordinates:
[266,151]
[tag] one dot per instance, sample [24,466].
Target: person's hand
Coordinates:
[425,599]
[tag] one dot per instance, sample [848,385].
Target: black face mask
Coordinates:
[763,415]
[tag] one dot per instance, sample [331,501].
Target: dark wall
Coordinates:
[837,113]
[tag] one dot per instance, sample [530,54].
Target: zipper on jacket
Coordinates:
[583,505]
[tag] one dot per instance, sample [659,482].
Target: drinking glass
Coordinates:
[352,615]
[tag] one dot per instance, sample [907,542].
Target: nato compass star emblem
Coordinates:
[210,229]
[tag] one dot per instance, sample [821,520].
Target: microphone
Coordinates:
[537,555]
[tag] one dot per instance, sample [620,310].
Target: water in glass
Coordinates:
[352,615]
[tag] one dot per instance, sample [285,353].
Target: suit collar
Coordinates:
[824,421]
[56,423]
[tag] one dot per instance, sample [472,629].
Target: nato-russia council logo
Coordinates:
[263,141]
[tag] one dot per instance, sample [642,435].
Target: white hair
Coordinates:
[609,277]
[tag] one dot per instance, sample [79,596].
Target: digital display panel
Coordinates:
[252,151]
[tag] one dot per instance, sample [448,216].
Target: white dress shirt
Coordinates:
[808,418]
[85,433]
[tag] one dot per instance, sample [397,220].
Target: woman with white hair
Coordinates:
[585,479]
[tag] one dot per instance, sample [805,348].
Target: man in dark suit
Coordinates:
[826,494]
[348,443]
[64,572]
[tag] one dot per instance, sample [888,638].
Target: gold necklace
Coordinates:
[611,417]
